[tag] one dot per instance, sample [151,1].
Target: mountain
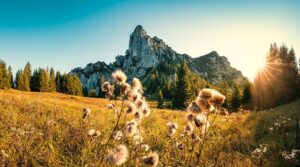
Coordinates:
[147,55]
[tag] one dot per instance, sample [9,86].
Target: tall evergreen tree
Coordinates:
[183,92]
[27,77]
[20,84]
[101,81]
[44,80]
[74,85]
[52,84]
[35,81]
[58,81]
[11,77]
[160,100]
[4,76]
[236,98]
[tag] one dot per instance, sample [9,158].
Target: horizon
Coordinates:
[71,34]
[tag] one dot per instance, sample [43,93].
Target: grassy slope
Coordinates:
[45,129]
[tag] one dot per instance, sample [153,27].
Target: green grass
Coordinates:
[45,129]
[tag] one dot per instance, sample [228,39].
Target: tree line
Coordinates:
[278,82]
[39,80]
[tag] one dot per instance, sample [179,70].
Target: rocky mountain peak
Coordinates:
[147,55]
[139,31]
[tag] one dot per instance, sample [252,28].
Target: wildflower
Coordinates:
[106,87]
[200,120]
[86,113]
[188,129]
[110,106]
[137,85]
[193,107]
[190,117]
[131,107]
[146,111]
[117,135]
[134,95]
[205,93]
[179,146]
[260,151]
[93,132]
[291,156]
[125,88]
[145,147]
[118,155]
[151,160]
[217,98]
[130,128]
[171,128]
[119,77]
[195,137]
[271,129]
[138,115]
[137,139]
[204,105]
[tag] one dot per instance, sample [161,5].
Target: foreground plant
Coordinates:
[130,109]
[190,144]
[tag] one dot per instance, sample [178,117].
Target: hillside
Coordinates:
[42,129]
[147,55]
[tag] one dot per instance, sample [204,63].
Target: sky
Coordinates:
[65,34]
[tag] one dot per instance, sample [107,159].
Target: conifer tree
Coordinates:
[73,85]
[27,77]
[52,84]
[64,81]
[101,81]
[58,81]
[224,89]
[246,99]
[4,76]
[236,98]
[11,77]
[35,81]
[20,85]
[160,100]
[183,91]
[44,80]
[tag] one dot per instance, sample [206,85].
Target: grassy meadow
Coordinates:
[45,129]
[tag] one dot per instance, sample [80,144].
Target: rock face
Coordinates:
[148,54]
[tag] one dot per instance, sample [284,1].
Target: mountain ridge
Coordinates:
[147,54]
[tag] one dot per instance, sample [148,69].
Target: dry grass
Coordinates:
[45,129]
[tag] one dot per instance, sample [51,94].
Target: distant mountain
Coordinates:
[149,54]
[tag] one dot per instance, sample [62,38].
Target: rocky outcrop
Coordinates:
[147,54]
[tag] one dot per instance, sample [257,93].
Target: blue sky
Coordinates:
[65,34]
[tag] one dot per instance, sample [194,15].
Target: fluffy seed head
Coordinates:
[193,107]
[204,105]
[200,120]
[110,106]
[137,139]
[179,146]
[146,111]
[134,95]
[195,137]
[117,135]
[137,85]
[91,132]
[145,147]
[151,160]
[131,107]
[217,98]
[130,128]
[86,113]
[106,87]
[205,93]
[171,128]
[189,117]
[119,76]
[188,129]
[118,155]
[125,88]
